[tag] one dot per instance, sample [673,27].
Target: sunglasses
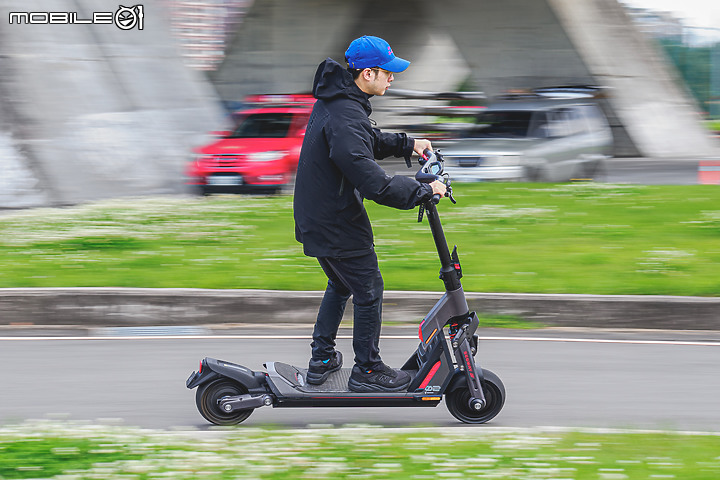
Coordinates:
[378,69]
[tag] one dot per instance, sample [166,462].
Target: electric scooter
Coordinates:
[443,365]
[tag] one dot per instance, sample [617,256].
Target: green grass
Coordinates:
[507,321]
[48,457]
[487,320]
[533,238]
[82,451]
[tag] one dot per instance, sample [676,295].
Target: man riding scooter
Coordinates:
[336,171]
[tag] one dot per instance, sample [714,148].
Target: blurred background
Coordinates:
[100,100]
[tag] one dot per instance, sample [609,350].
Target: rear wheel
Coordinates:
[590,171]
[596,171]
[209,395]
[458,400]
[534,173]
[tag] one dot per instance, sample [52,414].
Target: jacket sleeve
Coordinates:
[351,143]
[395,144]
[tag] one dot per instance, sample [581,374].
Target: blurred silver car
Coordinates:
[551,137]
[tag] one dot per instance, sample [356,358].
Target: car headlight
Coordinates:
[269,156]
[200,159]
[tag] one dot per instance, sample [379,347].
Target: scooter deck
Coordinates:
[292,389]
[297,377]
[336,382]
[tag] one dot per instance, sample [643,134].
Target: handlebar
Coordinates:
[432,169]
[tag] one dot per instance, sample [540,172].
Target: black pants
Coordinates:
[359,277]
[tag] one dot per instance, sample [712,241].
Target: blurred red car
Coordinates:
[261,153]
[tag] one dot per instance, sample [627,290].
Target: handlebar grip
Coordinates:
[424,177]
[436,198]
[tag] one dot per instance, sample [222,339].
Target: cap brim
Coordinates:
[396,65]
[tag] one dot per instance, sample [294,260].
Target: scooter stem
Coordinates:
[449,273]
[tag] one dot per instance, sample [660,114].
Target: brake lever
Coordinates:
[450,195]
[448,185]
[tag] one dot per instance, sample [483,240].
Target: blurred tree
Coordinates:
[698,66]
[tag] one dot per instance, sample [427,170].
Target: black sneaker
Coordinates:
[320,370]
[379,379]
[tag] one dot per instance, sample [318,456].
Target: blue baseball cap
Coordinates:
[372,52]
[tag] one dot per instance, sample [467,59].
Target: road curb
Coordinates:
[108,306]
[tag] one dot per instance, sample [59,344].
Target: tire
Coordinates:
[289,188]
[529,174]
[590,172]
[598,171]
[534,174]
[208,395]
[457,401]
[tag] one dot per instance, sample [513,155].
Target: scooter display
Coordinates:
[443,365]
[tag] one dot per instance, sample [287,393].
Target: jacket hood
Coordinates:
[333,81]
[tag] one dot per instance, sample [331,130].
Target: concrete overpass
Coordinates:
[90,111]
[501,45]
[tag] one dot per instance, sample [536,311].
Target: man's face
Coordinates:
[380,81]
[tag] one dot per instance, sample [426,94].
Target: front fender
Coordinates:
[459,379]
[489,381]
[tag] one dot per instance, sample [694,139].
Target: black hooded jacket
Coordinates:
[337,169]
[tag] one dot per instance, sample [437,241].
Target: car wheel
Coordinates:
[591,171]
[533,174]
[289,187]
[598,171]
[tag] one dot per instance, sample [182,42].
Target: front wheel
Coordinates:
[209,395]
[458,400]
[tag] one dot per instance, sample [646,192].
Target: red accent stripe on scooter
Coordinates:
[430,375]
[362,398]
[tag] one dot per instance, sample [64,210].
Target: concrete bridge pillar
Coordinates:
[502,45]
[646,95]
[91,111]
[88,110]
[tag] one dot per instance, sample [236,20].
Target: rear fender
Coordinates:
[211,369]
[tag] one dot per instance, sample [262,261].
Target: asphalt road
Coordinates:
[651,171]
[576,379]
[561,378]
